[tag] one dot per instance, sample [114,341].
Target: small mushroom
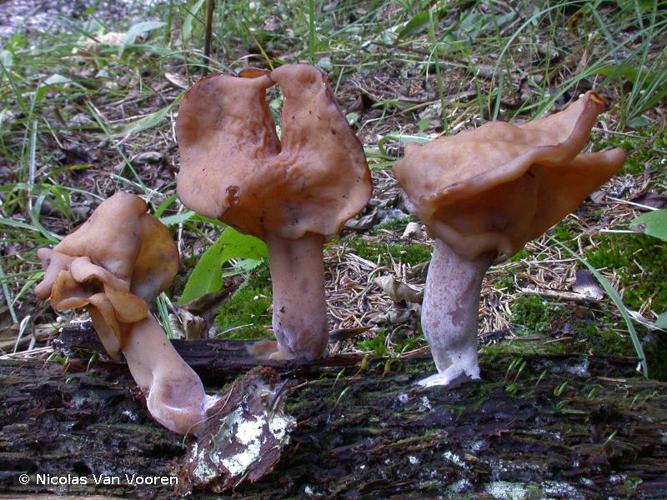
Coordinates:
[293,193]
[483,194]
[114,265]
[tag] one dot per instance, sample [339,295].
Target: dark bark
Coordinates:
[568,427]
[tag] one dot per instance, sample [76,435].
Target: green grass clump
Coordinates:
[409,254]
[639,262]
[376,344]
[249,305]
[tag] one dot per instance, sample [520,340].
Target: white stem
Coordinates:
[174,393]
[450,314]
[299,307]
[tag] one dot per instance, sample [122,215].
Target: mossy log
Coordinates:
[555,426]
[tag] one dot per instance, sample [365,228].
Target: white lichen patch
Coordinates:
[280,425]
[239,463]
[460,486]
[587,481]
[562,490]
[249,431]
[132,416]
[202,470]
[413,460]
[544,432]
[245,431]
[503,468]
[79,401]
[579,369]
[474,446]
[507,490]
[425,404]
[617,478]
[455,459]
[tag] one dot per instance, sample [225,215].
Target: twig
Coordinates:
[558,294]
[209,35]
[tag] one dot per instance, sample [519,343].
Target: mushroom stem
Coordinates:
[450,314]
[174,393]
[299,309]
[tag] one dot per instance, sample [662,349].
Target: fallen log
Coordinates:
[561,426]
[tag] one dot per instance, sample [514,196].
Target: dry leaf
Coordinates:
[177,80]
[397,290]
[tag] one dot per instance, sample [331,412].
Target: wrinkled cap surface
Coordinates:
[114,264]
[234,167]
[494,188]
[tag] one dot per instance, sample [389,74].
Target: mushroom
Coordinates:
[114,265]
[293,193]
[483,194]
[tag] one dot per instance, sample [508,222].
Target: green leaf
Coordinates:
[136,31]
[164,206]
[662,321]
[148,121]
[6,59]
[186,32]
[652,223]
[207,274]
[638,122]
[172,220]
[415,25]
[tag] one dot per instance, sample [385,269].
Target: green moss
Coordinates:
[519,256]
[641,156]
[655,347]
[587,330]
[247,310]
[397,225]
[565,232]
[532,315]
[372,250]
[602,340]
[640,263]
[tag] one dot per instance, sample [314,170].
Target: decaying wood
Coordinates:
[214,360]
[557,426]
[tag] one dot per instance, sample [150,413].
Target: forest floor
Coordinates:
[89,92]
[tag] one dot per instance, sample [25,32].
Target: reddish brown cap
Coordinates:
[496,187]
[115,263]
[234,168]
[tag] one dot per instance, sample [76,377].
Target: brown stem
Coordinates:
[299,308]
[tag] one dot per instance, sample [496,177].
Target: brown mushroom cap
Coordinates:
[234,168]
[494,188]
[115,263]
